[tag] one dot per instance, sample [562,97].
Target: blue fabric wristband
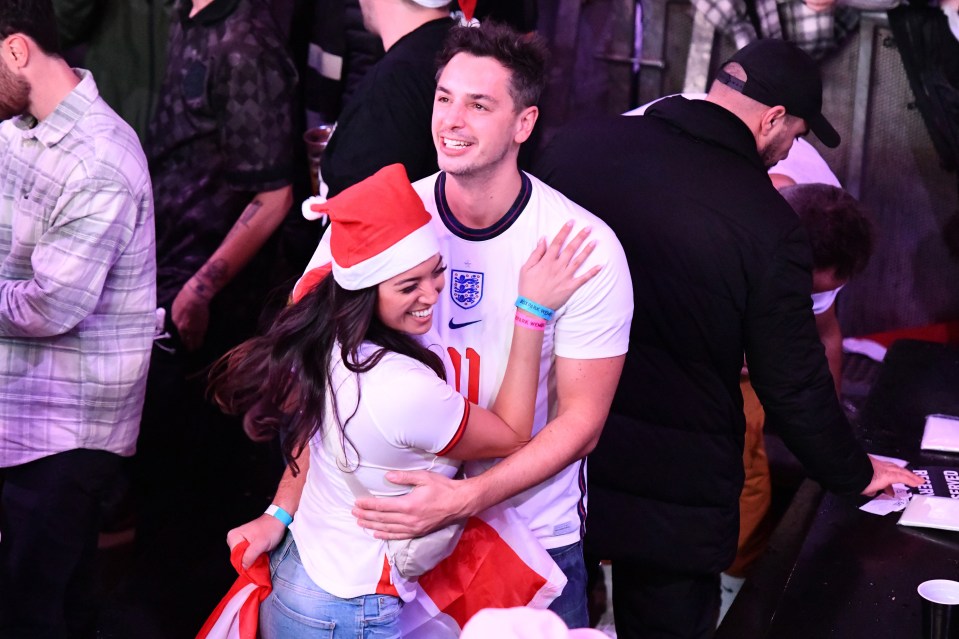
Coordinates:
[279,513]
[536,309]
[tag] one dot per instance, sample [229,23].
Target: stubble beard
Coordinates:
[770,153]
[476,171]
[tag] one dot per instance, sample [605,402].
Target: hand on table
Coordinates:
[885,474]
[435,501]
[264,534]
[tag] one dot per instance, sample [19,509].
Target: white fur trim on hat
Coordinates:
[433,4]
[412,250]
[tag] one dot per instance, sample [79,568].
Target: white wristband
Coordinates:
[279,513]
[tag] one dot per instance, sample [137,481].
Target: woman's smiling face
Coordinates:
[405,302]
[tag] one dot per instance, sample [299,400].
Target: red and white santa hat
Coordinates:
[379,228]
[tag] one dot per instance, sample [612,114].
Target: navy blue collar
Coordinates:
[462,231]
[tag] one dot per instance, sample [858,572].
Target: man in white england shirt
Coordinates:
[489,216]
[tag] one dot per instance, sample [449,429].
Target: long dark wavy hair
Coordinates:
[288,368]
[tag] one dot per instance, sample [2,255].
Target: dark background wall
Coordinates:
[886,159]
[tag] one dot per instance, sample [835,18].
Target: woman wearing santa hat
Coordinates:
[344,363]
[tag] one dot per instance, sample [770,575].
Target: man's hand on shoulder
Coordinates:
[885,474]
[434,502]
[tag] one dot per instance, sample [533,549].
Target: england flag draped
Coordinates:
[498,563]
[238,614]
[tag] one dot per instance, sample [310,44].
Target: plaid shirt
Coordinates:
[77,280]
[816,33]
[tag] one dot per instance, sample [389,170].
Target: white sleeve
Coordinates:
[595,322]
[412,407]
[822,301]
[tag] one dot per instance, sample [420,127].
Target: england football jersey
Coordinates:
[473,323]
[388,426]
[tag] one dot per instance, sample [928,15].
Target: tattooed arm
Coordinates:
[191,308]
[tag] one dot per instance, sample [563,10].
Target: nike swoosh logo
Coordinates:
[454,325]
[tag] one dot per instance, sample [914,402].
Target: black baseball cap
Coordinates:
[778,73]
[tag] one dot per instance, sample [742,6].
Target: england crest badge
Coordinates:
[466,288]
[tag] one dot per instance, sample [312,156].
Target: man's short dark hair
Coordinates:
[523,54]
[837,225]
[33,18]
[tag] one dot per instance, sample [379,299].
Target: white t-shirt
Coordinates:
[406,419]
[822,301]
[805,166]
[473,320]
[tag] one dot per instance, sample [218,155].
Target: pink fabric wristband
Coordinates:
[534,324]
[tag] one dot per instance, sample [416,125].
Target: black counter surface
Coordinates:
[832,570]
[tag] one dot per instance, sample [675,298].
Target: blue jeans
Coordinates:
[571,604]
[297,607]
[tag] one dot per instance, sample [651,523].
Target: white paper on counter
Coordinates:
[941,433]
[883,504]
[932,512]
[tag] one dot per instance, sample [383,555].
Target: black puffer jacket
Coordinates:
[720,267]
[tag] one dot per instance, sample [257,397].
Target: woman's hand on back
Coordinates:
[549,277]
